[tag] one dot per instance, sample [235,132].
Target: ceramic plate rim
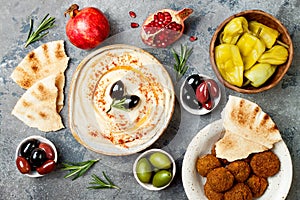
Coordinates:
[124,151]
[194,188]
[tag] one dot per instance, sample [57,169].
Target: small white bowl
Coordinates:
[146,154]
[201,111]
[34,173]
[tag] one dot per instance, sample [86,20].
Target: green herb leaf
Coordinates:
[78,169]
[98,183]
[45,24]
[180,66]
[119,104]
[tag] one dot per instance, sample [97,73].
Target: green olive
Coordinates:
[144,170]
[160,160]
[161,178]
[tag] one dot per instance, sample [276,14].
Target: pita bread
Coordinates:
[47,59]
[247,119]
[60,83]
[247,130]
[37,106]
[233,147]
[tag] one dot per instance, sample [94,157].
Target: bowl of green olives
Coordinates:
[154,169]
[36,156]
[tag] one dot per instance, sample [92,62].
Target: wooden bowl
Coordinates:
[270,21]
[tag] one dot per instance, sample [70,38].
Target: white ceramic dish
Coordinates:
[89,100]
[201,111]
[149,186]
[201,144]
[35,174]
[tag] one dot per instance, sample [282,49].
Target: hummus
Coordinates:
[143,76]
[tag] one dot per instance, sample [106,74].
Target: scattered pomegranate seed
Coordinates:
[134,25]
[132,14]
[193,38]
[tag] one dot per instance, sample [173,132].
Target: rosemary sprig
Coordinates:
[119,104]
[180,66]
[45,24]
[101,184]
[78,169]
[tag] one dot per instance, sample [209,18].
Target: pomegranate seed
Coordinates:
[132,14]
[134,25]
[193,38]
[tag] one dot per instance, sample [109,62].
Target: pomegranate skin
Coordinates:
[87,28]
[164,27]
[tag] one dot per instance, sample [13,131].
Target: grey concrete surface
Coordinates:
[281,102]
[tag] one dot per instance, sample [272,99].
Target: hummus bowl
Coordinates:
[106,129]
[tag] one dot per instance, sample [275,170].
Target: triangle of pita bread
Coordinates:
[233,147]
[38,105]
[47,59]
[60,83]
[247,119]
[247,130]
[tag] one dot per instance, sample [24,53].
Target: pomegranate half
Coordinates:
[164,27]
[86,28]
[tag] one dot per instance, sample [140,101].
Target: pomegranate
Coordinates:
[164,27]
[86,28]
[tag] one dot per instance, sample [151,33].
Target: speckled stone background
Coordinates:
[282,102]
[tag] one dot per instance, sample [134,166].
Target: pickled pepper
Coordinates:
[233,30]
[251,48]
[277,55]
[260,73]
[229,63]
[267,34]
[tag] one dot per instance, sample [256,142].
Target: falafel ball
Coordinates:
[207,163]
[257,185]
[220,179]
[265,164]
[211,194]
[238,192]
[240,170]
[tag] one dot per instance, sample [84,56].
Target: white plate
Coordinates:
[201,144]
[143,75]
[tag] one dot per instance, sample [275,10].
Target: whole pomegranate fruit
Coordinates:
[86,28]
[164,27]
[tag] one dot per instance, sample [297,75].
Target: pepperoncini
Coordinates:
[267,34]
[251,48]
[233,30]
[230,63]
[277,55]
[260,73]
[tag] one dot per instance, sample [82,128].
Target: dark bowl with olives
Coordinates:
[199,94]
[154,169]
[36,156]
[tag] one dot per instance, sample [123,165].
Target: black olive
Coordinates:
[193,81]
[27,147]
[191,101]
[131,101]
[117,90]
[38,157]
